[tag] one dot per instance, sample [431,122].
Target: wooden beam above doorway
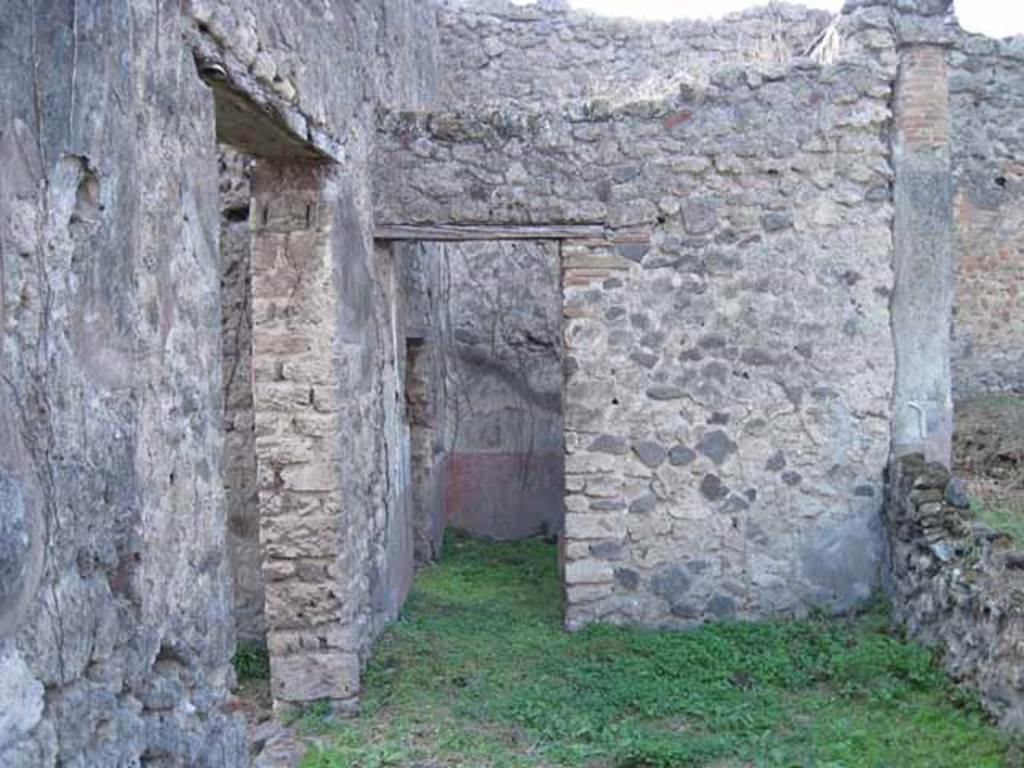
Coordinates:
[484,232]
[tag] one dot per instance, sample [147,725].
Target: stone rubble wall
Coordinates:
[957,585]
[379,454]
[729,357]
[332,441]
[428,459]
[309,608]
[544,54]
[987,102]
[321,71]
[324,67]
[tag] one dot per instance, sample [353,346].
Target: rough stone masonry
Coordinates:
[725,449]
[957,584]
[761,227]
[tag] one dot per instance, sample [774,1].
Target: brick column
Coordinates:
[922,304]
[297,405]
[597,468]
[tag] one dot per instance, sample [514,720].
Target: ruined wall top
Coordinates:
[919,7]
[545,54]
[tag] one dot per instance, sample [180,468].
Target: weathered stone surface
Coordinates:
[110,399]
[716,446]
[541,54]
[627,578]
[741,310]
[680,456]
[616,446]
[670,582]
[727,388]
[712,488]
[21,551]
[22,694]
[315,676]
[986,83]
[111,404]
[650,453]
[240,476]
[922,299]
[423,273]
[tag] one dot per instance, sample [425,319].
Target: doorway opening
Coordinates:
[484,389]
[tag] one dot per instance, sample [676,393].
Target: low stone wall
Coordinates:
[958,585]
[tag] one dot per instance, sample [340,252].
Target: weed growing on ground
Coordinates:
[990,454]
[479,672]
[1001,515]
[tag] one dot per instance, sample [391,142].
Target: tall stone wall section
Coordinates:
[334,493]
[424,296]
[922,302]
[957,585]
[729,358]
[297,399]
[115,604]
[987,106]
[540,55]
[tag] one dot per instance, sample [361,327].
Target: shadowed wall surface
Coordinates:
[506,472]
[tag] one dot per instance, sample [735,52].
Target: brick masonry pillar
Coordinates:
[595,485]
[922,304]
[297,413]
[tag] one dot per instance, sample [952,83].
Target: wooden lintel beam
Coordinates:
[465,232]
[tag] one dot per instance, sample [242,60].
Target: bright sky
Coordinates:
[998,18]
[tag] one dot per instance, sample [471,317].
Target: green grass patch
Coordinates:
[479,672]
[1005,515]
[989,452]
[251,661]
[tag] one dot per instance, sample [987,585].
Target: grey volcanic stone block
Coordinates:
[716,446]
[616,446]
